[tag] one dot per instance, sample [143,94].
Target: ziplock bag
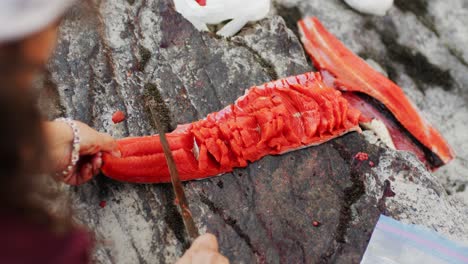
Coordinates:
[395,242]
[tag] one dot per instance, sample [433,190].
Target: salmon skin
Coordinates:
[345,71]
[271,119]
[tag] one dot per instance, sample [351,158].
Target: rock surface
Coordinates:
[114,56]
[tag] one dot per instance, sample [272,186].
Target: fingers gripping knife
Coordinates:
[190,227]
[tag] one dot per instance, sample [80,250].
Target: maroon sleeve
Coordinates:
[24,242]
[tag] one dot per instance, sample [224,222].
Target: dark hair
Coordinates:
[25,186]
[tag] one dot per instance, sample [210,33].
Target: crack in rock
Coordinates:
[416,65]
[269,67]
[229,221]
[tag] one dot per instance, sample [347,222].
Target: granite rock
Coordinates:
[117,54]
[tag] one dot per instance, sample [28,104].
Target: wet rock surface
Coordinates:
[316,205]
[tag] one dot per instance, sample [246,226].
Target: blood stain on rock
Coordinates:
[388,192]
[102,204]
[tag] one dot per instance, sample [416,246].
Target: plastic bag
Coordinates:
[395,242]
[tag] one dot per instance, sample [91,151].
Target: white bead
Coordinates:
[75,155]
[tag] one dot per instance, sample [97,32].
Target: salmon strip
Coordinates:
[345,71]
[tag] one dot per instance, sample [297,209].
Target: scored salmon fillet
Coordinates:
[270,119]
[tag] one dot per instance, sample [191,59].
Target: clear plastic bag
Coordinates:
[395,242]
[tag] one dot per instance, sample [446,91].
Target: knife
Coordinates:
[182,203]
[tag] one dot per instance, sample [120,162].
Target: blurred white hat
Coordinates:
[19,18]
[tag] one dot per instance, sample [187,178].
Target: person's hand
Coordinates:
[92,143]
[204,250]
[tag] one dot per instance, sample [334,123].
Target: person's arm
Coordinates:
[59,136]
[204,250]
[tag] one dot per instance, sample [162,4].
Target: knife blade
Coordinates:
[190,227]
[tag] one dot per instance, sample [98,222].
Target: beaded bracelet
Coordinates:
[75,155]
